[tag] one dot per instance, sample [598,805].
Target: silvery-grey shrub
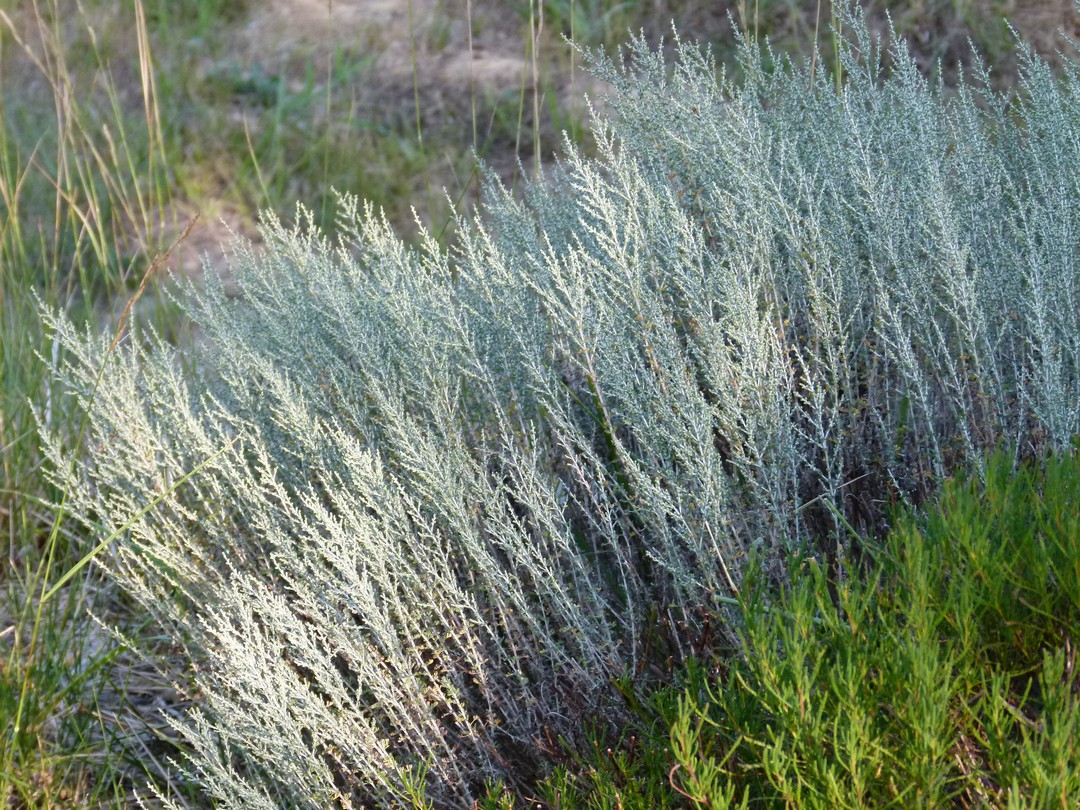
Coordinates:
[462,486]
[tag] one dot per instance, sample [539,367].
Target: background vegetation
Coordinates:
[119,121]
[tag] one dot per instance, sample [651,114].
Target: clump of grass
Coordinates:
[85,183]
[83,196]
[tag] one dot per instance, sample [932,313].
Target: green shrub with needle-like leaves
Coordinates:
[457,491]
[945,677]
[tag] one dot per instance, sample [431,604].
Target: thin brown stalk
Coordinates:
[159,260]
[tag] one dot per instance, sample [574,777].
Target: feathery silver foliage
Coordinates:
[462,485]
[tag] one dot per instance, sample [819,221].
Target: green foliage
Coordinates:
[946,674]
[451,493]
[196,18]
[628,768]
[593,21]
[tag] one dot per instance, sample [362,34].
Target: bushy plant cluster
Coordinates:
[451,493]
[947,676]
